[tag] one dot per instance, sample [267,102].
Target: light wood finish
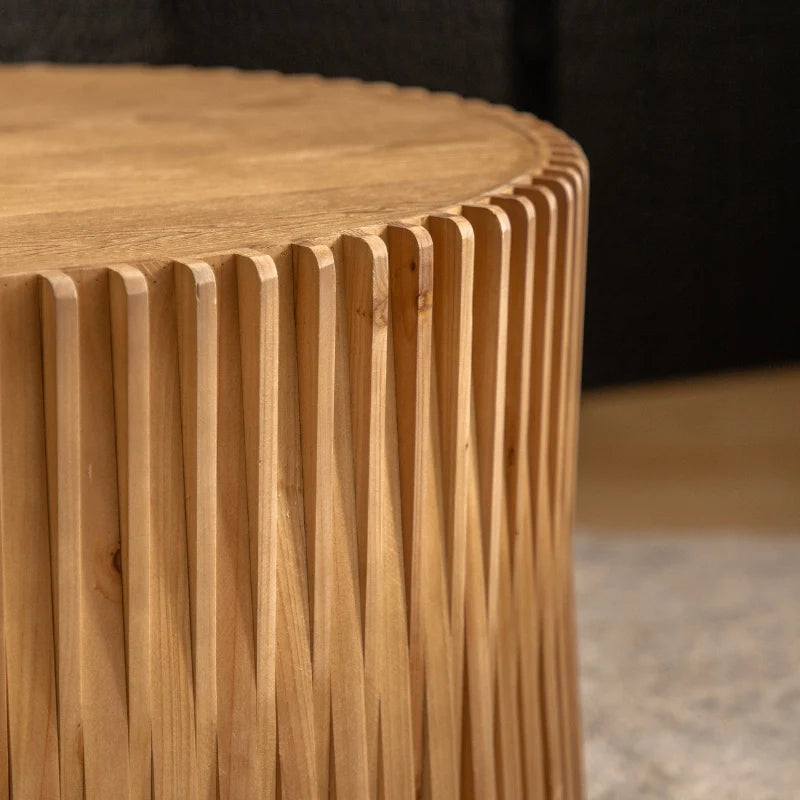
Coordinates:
[289,377]
[709,453]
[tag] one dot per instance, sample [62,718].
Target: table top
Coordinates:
[130,163]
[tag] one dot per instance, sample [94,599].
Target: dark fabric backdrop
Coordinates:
[689,113]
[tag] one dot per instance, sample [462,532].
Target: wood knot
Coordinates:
[380,312]
[116,560]
[424,301]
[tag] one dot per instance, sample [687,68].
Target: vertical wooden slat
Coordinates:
[544,203]
[315,293]
[297,770]
[473,695]
[411,286]
[454,257]
[411,268]
[356,688]
[130,338]
[396,755]
[29,594]
[521,214]
[196,309]
[572,169]
[257,283]
[489,338]
[490,341]
[61,364]
[559,432]
[479,770]
[571,154]
[239,757]
[174,767]
[103,667]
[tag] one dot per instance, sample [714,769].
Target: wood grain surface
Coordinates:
[113,164]
[289,377]
[707,453]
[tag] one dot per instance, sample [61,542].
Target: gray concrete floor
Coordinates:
[690,664]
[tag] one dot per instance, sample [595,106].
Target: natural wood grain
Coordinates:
[104,710]
[173,173]
[489,360]
[559,410]
[411,285]
[395,761]
[570,163]
[27,586]
[708,453]
[173,721]
[257,284]
[130,340]
[544,204]
[297,774]
[196,307]
[411,291]
[288,420]
[363,340]
[240,758]
[454,256]
[315,296]
[522,216]
[61,366]
[479,768]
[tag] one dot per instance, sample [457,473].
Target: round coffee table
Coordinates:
[289,376]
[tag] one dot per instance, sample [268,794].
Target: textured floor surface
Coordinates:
[690,664]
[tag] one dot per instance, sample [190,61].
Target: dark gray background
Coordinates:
[688,112]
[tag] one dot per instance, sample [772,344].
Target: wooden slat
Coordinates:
[396,756]
[544,203]
[490,343]
[560,409]
[478,769]
[315,293]
[172,684]
[454,258]
[105,720]
[411,287]
[411,279]
[130,339]
[297,772]
[196,309]
[489,338]
[257,283]
[573,170]
[361,367]
[239,757]
[61,366]
[521,214]
[28,592]
[473,694]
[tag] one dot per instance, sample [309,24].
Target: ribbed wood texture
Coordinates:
[295,522]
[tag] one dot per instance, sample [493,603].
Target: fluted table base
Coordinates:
[290,517]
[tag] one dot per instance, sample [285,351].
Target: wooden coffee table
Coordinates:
[289,371]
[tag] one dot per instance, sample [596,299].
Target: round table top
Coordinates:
[104,165]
